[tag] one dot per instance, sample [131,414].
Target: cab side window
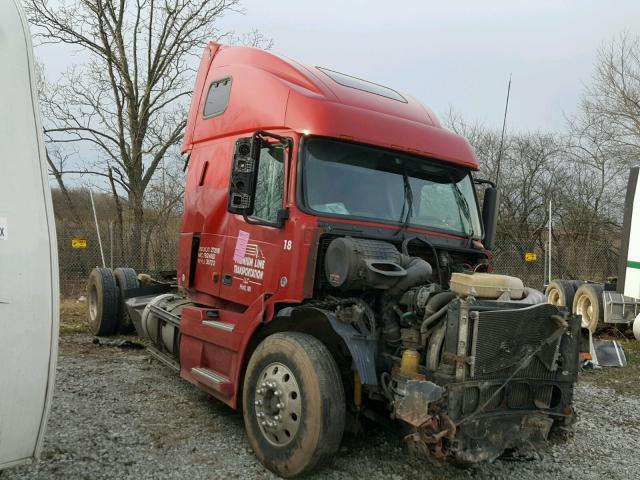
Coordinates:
[270,184]
[217,98]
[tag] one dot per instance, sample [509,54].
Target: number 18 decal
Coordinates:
[288,244]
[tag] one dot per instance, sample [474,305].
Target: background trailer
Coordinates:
[28,259]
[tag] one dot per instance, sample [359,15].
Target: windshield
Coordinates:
[341,178]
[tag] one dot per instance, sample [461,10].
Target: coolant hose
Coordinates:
[438,301]
[435,309]
[430,319]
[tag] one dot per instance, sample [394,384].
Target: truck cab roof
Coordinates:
[268,91]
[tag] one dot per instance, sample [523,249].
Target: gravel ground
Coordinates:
[119,414]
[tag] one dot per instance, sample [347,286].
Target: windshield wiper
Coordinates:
[408,201]
[463,205]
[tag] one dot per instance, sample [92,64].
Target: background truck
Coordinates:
[334,265]
[618,302]
[29,295]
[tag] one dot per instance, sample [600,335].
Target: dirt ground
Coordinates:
[117,413]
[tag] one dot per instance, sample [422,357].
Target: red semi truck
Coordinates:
[333,265]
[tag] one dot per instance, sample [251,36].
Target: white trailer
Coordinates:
[29,294]
[596,303]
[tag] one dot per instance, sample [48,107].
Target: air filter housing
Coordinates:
[358,264]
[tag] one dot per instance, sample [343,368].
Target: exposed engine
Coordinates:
[474,364]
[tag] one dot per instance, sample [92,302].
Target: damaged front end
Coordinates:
[499,378]
[473,365]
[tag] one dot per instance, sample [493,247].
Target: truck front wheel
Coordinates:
[293,402]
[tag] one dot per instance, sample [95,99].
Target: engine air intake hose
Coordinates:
[418,271]
[436,259]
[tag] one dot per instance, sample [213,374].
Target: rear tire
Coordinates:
[126,279]
[588,303]
[293,404]
[561,293]
[102,302]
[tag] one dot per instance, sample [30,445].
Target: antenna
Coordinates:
[504,125]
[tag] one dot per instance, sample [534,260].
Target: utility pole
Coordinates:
[95,219]
[549,254]
[504,125]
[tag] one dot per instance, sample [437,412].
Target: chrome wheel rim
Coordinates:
[554,297]
[278,406]
[93,303]
[585,309]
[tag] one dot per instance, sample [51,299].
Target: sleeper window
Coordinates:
[217,98]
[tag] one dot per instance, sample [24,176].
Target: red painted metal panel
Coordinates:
[203,69]
[209,263]
[270,92]
[219,350]
[268,265]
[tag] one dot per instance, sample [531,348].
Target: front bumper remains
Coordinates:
[504,382]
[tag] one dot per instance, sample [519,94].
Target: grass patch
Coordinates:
[73,316]
[621,380]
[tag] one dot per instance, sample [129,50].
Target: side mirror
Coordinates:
[244,173]
[249,154]
[490,205]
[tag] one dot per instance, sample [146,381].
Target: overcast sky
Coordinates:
[455,54]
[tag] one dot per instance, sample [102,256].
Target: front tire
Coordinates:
[293,404]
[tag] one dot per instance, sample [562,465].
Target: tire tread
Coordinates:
[107,291]
[126,279]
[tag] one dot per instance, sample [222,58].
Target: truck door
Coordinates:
[253,250]
[28,252]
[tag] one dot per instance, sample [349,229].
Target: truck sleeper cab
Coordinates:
[333,262]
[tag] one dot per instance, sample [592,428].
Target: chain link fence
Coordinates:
[79,253]
[529,260]
[79,250]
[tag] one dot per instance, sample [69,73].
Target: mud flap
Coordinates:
[362,347]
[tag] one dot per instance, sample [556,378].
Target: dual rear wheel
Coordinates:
[106,310]
[584,299]
[293,397]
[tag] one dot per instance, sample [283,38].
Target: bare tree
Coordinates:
[583,170]
[610,105]
[129,100]
[603,141]
[532,165]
